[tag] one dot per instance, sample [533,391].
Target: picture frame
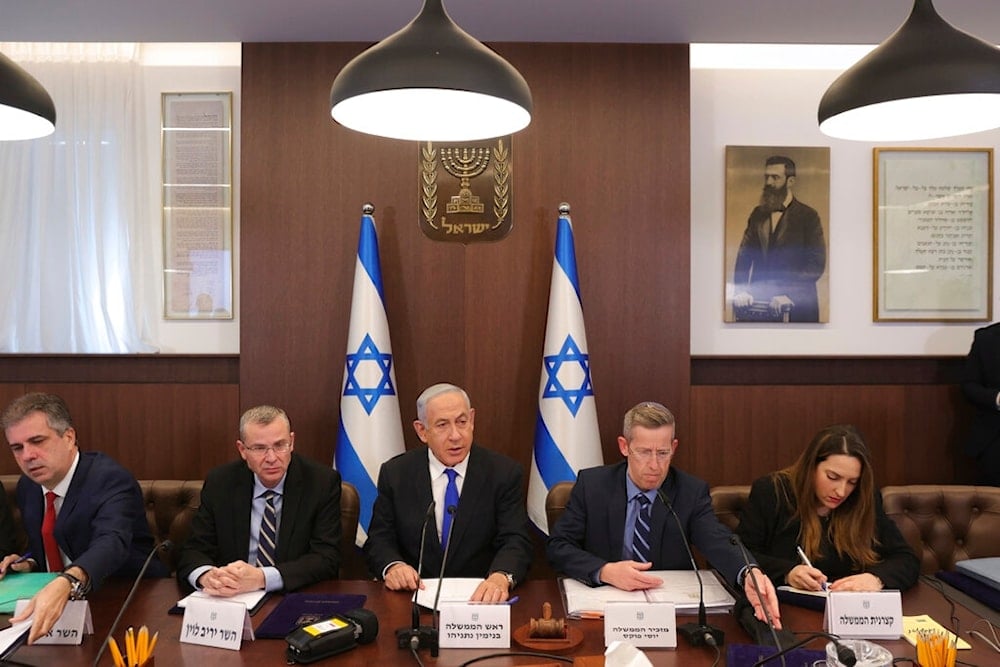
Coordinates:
[778,276]
[932,234]
[197,205]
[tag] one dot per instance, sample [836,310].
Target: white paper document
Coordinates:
[679,587]
[453,589]
[251,599]
[12,638]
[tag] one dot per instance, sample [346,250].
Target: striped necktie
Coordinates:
[268,537]
[640,538]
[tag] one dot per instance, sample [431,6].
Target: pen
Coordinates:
[805,561]
[23,558]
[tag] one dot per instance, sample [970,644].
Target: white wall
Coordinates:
[174,69]
[770,107]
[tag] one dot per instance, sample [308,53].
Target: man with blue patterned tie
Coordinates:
[269,521]
[615,526]
[478,498]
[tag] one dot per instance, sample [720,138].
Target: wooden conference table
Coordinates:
[155,596]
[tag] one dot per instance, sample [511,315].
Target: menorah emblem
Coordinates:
[465,163]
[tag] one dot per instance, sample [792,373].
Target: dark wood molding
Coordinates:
[706,371]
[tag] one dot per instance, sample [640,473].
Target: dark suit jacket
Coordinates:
[101,525]
[489,531]
[787,262]
[309,531]
[769,530]
[980,384]
[590,532]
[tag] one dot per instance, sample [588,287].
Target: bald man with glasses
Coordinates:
[616,527]
[268,521]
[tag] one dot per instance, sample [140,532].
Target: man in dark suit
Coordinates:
[615,528]
[783,252]
[981,386]
[270,521]
[485,503]
[83,512]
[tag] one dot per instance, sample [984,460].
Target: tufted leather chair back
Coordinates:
[728,502]
[946,523]
[555,502]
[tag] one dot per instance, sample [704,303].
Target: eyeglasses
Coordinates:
[645,455]
[262,450]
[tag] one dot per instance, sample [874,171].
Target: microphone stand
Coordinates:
[437,596]
[166,544]
[844,655]
[700,633]
[416,637]
[736,542]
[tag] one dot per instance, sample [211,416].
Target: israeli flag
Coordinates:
[567,438]
[370,427]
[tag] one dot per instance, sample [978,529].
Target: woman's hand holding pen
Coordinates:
[807,578]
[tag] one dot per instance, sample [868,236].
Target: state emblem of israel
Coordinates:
[465,190]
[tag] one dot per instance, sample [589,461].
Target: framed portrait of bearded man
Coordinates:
[777,234]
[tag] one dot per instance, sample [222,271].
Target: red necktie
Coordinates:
[52,558]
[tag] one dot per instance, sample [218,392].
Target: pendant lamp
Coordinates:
[927,80]
[431,81]
[26,109]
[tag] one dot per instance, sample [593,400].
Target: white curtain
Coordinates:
[73,238]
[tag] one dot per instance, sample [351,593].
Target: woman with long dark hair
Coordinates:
[819,523]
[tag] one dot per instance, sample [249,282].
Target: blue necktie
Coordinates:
[450,500]
[267,538]
[640,538]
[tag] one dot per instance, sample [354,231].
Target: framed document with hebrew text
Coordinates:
[197,132]
[933,234]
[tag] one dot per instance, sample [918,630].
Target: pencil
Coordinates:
[116,654]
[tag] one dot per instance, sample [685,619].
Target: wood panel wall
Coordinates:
[751,416]
[161,416]
[609,135]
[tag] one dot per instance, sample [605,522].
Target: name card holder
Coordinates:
[645,624]
[216,622]
[74,623]
[860,615]
[474,626]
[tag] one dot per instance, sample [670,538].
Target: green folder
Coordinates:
[21,586]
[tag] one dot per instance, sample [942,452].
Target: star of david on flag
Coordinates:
[370,427]
[567,438]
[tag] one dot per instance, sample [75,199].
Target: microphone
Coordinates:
[165,545]
[700,633]
[752,620]
[437,596]
[844,655]
[415,637]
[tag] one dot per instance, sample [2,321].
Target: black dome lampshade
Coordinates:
[927,80]
[431,81]
[26,109]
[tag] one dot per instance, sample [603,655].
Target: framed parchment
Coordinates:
[933,234]
[197,151]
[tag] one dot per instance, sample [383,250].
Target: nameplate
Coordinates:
[649,624]
[858,615]
[74,623]
[216,622]
[474,626]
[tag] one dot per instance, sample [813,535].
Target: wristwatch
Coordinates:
[77,589]
[510,578]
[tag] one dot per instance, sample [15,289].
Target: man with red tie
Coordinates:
[82,511]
